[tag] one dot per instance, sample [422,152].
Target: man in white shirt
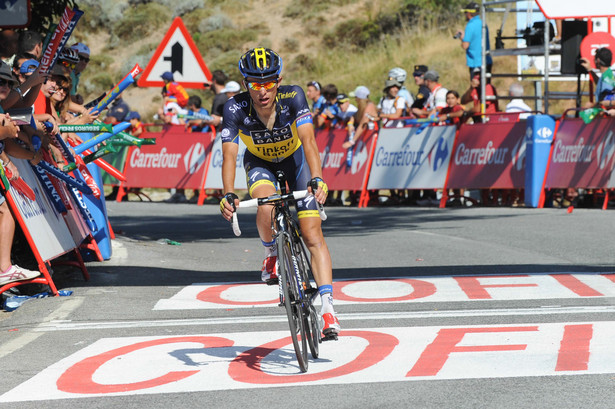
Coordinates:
[437,96]
[517,104]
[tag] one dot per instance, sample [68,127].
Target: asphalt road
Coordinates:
[528,293]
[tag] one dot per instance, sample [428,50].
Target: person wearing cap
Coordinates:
[83,52]
[473,95]
[313,94]
[231,88]
[117,112]
[345,116]
[173,91]
[423,92]
[391,105]
[471,38]
[400,75]
[437,96]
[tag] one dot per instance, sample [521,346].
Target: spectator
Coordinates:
[423,92]
[473,95]
[231,89]
[453,113]
[314,95]
[194,107]
[437,96]
[471,39]
[605,84]
[365,117]
[117,111]
[173,91]
[83,53]
[330,110]
[30,44]
[217,84]
[136,126]
[8,129]
[516,104]
[400,75]
[8,45]
[346,115]
[391,105]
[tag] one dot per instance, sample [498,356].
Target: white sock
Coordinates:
[327,303]
[270,248]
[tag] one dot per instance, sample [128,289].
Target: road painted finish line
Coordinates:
[406,290]
[191,363]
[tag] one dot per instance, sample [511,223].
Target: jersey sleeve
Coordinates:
[304,115]
[230,129]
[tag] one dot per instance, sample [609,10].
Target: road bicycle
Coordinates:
[297,291]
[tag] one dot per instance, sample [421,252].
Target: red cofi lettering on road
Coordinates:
[78,378]
[436,354]
[574,349]
[247,366]
[421,289]
[214,295]
[476,291]
[576,286]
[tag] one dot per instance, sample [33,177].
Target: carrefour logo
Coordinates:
[438,154]
[194,158]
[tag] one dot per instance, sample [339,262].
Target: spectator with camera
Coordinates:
[472,39]
[605,83]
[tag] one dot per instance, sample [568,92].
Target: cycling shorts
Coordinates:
[296,170]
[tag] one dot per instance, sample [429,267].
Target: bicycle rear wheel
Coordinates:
[292,300]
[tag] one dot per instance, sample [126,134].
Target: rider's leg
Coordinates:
[322,269]
[263,224]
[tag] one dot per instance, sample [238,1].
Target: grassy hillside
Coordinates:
[345,42]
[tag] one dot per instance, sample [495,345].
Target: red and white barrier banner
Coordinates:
[214,173]
[490,155]
[583,154]
[406,160]
[335,170]
[246,360]
[177,160]
[47,227]
[404,290]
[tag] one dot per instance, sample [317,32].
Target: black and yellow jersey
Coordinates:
[240,120]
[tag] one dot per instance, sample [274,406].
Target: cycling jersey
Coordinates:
[240,120]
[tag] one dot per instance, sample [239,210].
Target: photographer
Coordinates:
[472,37]
[605,83]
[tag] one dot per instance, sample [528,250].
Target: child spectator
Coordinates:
[453,112]
[136,126]
[473,95]
[172,91]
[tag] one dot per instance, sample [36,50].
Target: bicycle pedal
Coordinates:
[272,281]
[331,336]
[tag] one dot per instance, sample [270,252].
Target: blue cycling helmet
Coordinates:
[261,63]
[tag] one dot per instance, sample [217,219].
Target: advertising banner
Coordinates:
[582,154]
[214,173]
[177,160]
[489,155]
[334,158]
[406,160]
[46,226]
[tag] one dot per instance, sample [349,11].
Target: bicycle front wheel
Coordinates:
[293,300]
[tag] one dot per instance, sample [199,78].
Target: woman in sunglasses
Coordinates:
[275,124]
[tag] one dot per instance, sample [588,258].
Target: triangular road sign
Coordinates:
[176,53]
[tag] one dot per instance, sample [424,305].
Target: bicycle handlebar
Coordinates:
[300,194]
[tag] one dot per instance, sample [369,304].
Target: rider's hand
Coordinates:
[319,189]
[228,205]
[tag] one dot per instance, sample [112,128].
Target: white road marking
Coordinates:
[68,305]
[104,325]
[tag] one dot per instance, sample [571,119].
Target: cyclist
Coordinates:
[275,123]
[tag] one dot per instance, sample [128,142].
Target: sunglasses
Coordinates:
[68,64]
[257,86]
[86,59]
[4,83]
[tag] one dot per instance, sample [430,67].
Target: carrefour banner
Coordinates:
[341,169]
[404,159]
[583,154]
[177,160]
[214,173]
[489,155]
